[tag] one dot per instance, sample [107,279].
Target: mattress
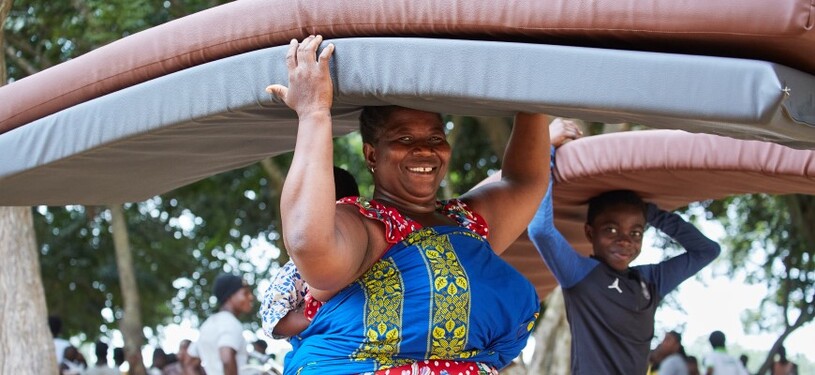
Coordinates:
[179,128]
[779,31]
[183,101]
[671,168]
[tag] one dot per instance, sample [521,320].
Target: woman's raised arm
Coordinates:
[510,203]
[323,242]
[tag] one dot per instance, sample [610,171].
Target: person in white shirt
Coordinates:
[674,362]
[718,362]
[101,367]
[221,346]
[60,344]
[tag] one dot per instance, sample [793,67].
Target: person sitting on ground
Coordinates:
[611,306]
[404,277]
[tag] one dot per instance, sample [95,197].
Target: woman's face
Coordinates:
[410,157]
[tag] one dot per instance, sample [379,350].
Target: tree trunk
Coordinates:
[553,340]
[5,7]
[26,346]
[131,324]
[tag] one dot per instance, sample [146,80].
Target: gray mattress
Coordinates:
[153,137]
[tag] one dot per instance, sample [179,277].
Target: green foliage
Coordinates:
[474,152]
[182,239]
[770,239]
[43,33]
[79,267]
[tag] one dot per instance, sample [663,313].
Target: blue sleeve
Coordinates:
[700,251]
[566,264]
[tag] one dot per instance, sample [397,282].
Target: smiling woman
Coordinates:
[176,103]
[404,277]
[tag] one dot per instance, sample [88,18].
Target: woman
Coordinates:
[405,278]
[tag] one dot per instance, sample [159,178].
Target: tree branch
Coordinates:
[17,44]
[5,8]
[797,216]
[26,66]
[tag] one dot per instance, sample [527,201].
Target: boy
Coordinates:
[611,306]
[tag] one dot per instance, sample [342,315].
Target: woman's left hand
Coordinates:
[310,88]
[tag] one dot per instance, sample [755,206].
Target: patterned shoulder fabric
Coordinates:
[465,217]
[397,227]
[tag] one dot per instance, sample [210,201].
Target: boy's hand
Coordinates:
[563,130]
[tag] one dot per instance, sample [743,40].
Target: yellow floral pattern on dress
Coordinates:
[450,310]
[384,296]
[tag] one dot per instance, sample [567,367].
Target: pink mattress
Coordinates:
[669,167]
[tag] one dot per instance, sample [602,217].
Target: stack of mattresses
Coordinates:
[185,100]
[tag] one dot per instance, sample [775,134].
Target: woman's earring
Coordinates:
[373,170]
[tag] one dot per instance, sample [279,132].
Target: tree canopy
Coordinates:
[181,239]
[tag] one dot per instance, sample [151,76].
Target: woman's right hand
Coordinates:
[310,89]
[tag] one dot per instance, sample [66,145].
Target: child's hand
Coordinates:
[563,130]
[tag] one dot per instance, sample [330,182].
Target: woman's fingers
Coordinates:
[291,55]
[310,85]
[307,51]
[325,55]
[279,91]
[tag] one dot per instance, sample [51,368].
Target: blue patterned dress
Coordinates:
[437,293]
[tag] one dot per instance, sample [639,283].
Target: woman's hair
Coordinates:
[345,185]
[604,201]
[372,120]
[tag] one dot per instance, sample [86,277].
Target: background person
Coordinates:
[60,344]
[221,346]
[101,367]
[782,365]
[674,361]
[718,362]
